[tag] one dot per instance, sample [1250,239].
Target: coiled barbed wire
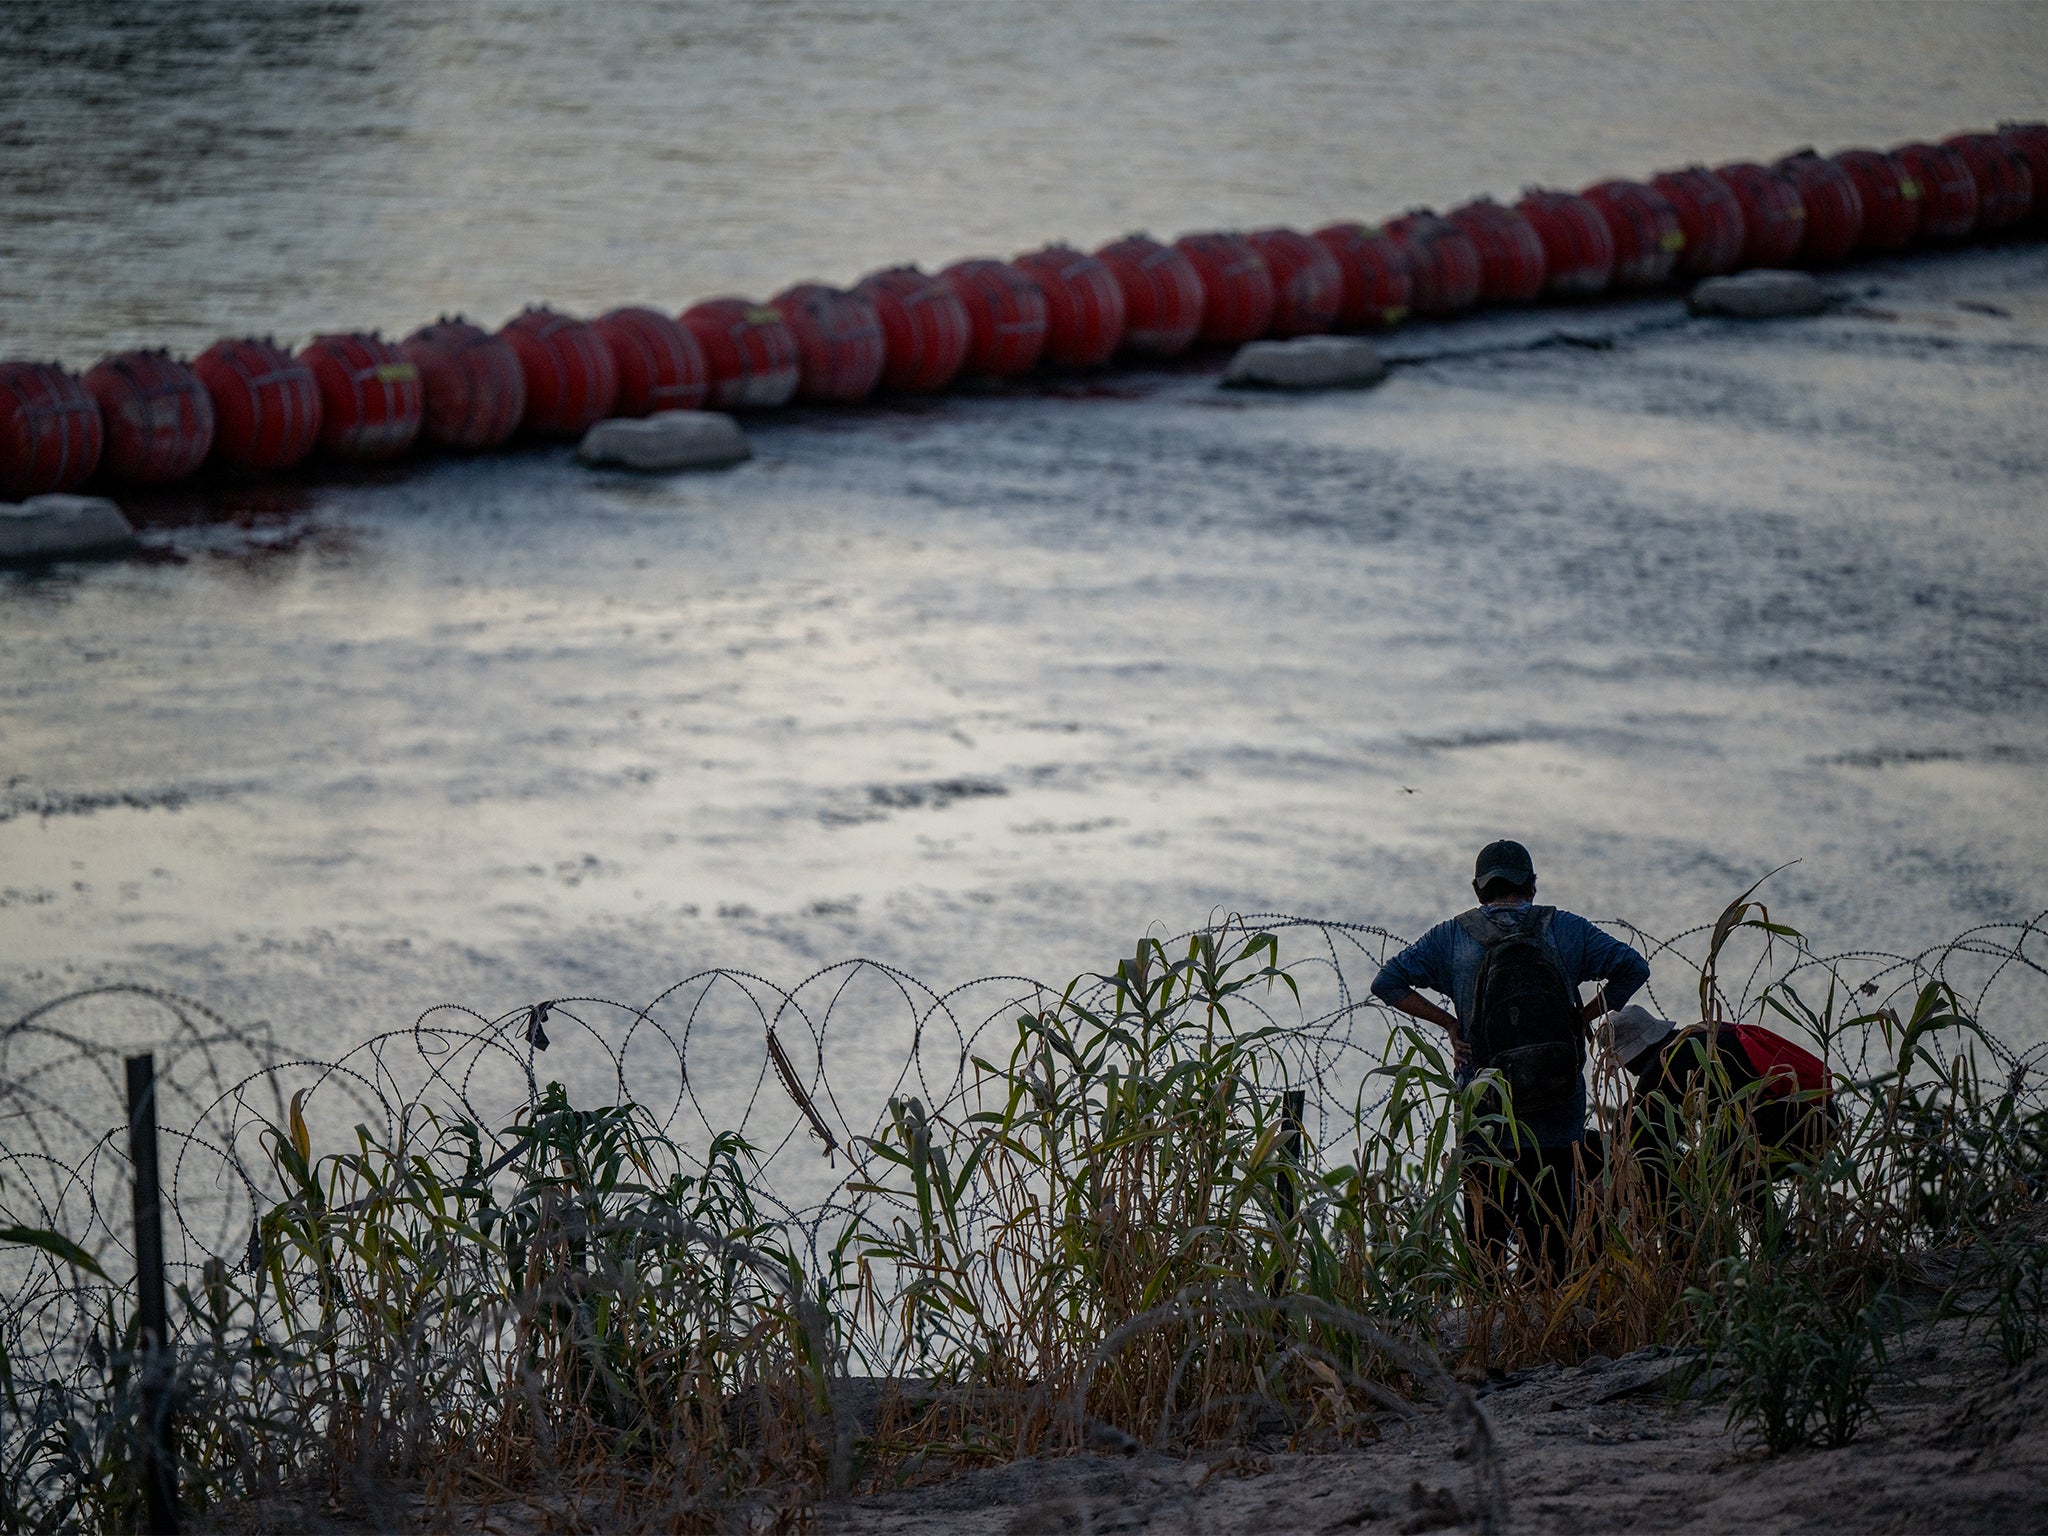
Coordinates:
[805,1073]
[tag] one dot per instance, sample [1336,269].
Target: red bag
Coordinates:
[1785,1068]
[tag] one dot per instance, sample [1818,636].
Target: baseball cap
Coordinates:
[1503,860]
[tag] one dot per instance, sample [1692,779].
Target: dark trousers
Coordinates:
[1532,1191]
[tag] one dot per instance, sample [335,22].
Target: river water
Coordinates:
[994,684]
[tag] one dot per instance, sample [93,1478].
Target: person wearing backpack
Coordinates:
[1512,972]
[1783,1090]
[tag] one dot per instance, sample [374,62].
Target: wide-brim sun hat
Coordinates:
[1629,1032]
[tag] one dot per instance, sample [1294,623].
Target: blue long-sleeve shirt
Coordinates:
[1446,960]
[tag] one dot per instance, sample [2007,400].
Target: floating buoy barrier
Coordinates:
[1162,292]
[370,398]
[1948,192]
[1708,216]
[839,346]
[1084,306]
[1308,288]
[50,431]
[571,381]
[1646,231]
[1378,283]
[1578,247]
[157,416]
[2005,183]
[1834,207]
[474,387]
[143,418]
[1773,214]
[1511,264]
[659,363]
[266,407]
[1006,316]
[925,329]
[2030,143]
[1237,287]
[1442,262]
[1890,198]
[749,351]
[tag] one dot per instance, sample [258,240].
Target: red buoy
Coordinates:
[838,342]
[1308,288]
[660,365]
[1379,284]
[1708,216]
[474,387]
[2031,140]
[571,381]
[1578,248]
[1237,287]
[1647,236]
[1948,192]
[370,397]
[1006,316]
[1890,197]
[1834,207]
[266,407]
[158,417]
[925,329]
[50,432]
[749,350]
[1084,305]
[1162,295]
[1511,268]
[2005,182]
[1443,262]
[1773,214]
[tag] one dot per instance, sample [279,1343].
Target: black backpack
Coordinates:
[1525,1012]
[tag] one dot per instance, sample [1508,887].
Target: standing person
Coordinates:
[1512,972]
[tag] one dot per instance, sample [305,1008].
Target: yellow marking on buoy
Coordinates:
[1909,190]
[1675,240]
[397,373]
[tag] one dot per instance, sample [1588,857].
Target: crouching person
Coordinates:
[1762,1103]
[1511,971]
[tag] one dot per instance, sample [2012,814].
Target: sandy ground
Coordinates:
[1961,1445]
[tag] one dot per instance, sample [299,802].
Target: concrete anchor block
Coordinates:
[668,440]
[59,527]
[1764,294]
[1307,362]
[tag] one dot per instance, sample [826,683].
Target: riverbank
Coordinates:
[1107,1231]
[1962,1444]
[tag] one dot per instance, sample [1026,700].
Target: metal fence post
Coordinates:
[1292,1104]
[153,1334]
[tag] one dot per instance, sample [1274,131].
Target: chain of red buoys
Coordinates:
[145,418]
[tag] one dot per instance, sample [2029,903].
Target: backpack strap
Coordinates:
[1480,928]
[1484,931]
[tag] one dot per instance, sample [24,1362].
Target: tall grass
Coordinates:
[1116,1228]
